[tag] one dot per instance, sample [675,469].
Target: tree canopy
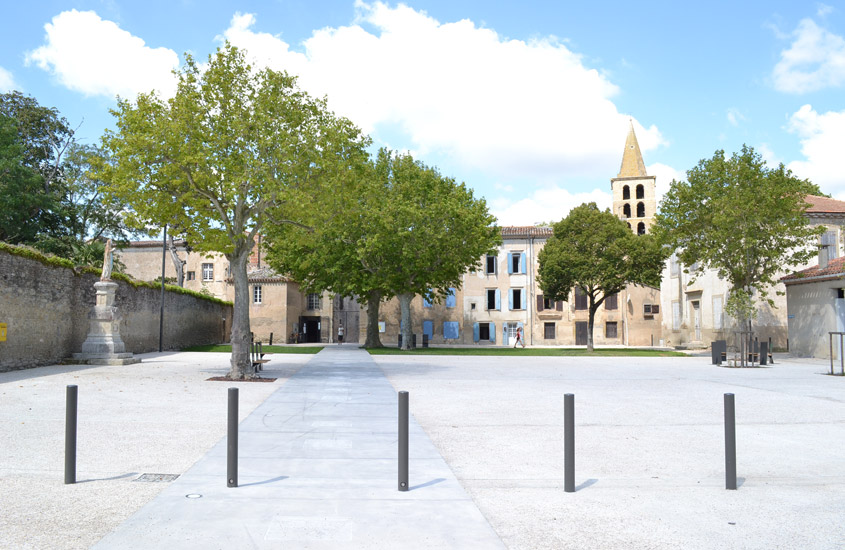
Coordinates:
[214,160]
[596,251]
[742,219]
[402,229]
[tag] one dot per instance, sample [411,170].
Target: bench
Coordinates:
[257,357]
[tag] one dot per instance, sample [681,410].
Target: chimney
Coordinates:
[824,256]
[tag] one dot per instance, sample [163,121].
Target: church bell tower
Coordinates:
[633,189]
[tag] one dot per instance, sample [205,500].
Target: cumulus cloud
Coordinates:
[549,204]
[513,108]
[822,136]
[815,60]
[96,57]
[7,81]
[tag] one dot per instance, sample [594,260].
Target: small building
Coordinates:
[815,302]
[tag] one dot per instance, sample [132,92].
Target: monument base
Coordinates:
[104,345]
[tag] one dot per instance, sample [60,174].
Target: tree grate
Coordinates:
[156,478]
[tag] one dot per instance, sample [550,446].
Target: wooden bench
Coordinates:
[257,354]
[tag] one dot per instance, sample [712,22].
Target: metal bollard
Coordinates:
[730,442]
[232,440]
[403,441]
[569,443]
[70,434]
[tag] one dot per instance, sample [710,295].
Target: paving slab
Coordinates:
[317,469]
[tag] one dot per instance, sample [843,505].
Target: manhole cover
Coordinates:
[156,478]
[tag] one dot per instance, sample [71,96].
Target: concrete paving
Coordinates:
[317,469]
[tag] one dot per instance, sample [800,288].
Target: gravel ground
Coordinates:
[159,416]
[649,449]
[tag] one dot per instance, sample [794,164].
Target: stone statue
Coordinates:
[108,262]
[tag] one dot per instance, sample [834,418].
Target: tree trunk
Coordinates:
[405,309]
[178,263]
[590,324]
[240,360]
[373,339]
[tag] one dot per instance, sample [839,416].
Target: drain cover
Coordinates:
[156,478]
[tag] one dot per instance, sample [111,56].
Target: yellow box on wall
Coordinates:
[2,332]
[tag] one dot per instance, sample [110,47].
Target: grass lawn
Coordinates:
[266,349]
[536,352]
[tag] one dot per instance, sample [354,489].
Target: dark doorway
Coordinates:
[346,311]
[310,330]
[580,333]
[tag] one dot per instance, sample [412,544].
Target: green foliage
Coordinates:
[597,252]
[231,144]
[742,219]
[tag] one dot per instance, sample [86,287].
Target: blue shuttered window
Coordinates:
[451,330]
[493,333]
[428,328]
[450,298]
[475,332]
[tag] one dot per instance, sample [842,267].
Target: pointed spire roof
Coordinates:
[632,159]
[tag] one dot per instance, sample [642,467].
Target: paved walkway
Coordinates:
[317,469]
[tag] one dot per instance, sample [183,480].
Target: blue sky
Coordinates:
[529,103]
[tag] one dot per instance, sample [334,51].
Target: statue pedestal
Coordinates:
[104,345]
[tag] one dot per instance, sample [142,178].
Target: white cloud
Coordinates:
[7,81]
[550,204]
[96,57]
[772,160]
[822,137]
[735,116]
[824,10]
[511,108]
[815,60]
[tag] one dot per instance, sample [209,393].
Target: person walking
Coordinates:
[340,333]
[519,339]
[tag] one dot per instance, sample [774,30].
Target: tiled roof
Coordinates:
[265,275]
[835,269]
[526,231]
[152,244]
[824,205]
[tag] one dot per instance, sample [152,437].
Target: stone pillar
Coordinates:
[104,346]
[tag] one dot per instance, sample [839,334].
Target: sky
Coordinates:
[527,102]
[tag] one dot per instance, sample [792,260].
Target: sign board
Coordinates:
[381,326]
[2,332]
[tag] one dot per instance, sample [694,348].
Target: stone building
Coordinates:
[493,302]
[694,307]
[815,299]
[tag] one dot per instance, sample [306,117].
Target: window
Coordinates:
[314,301]
[451,330]
[611,302]
[640,210]
[626,210]
[426,300]
[256,294]
[516,262]
[450,298]
[580,299]
[192,275]
[717,312]
[490,265]
[626,193]
[640,192]
[549,331]
[829,240]
[676,316]
[641,228]
[207,272]
[610,330]
[484,331]
[674,268]
[650,310]
[544,303]
[493,298]
[515,299]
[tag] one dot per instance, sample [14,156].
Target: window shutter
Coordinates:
[522,263]
[539,302]
[510,299]
[559,305]
[510,263]
[519,325]
[426,301]
[498,299]
[493,333]
[428,328]
[475,331]
[450,298]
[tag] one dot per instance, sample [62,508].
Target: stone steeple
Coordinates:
[632,160]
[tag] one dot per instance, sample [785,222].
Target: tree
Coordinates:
[742,219]
[596,252]
[216,157]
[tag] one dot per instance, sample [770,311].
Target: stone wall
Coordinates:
[46,311]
